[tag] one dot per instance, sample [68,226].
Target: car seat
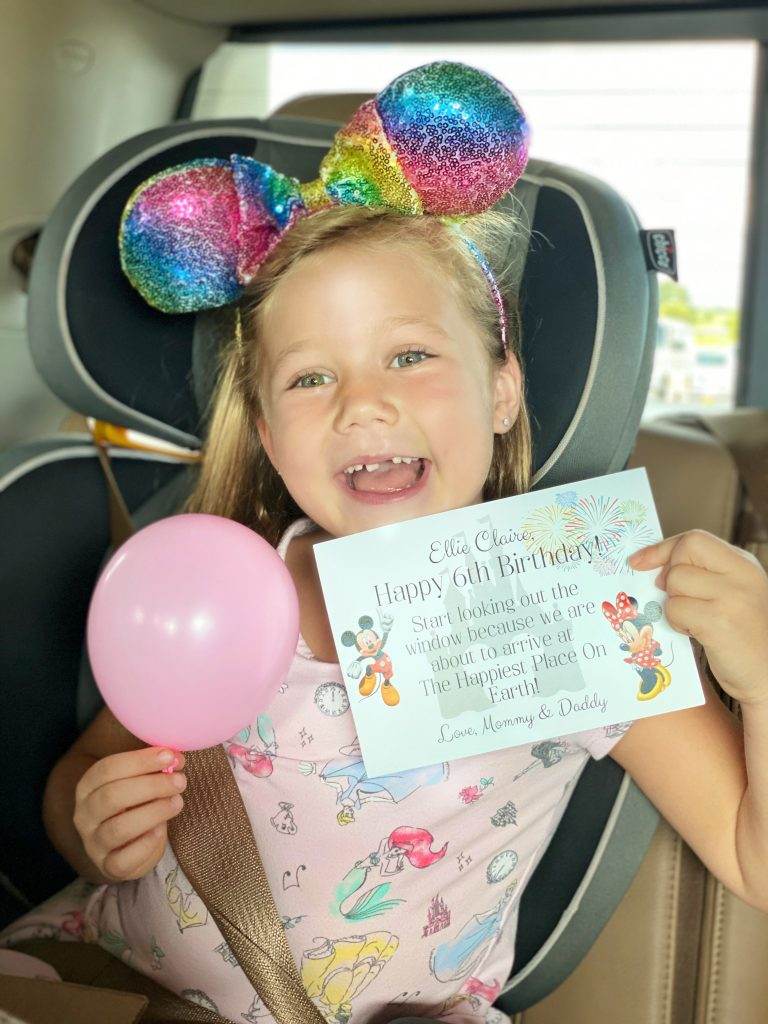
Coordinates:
[589,309]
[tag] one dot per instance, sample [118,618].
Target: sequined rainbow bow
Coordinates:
[444,139]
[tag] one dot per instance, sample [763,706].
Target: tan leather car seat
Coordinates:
[680,948]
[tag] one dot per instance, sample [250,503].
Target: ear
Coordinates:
[265,434]
[507,393]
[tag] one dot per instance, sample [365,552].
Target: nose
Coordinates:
[364,400]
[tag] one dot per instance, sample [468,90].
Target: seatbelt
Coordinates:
[120,523]
[212,836]
[214,844]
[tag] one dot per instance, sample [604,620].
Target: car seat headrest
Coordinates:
[588,304]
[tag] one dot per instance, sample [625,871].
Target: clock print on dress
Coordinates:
[331,699]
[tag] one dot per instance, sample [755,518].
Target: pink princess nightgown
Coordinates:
[399,895]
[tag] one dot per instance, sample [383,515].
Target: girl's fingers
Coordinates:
[131,824]
[654,555]
[696,547]
[129,860]
[686,580]
[688,615]
[117,797]
[128,764]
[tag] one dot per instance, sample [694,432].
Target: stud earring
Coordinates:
[506,421]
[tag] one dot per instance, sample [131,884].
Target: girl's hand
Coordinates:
[122,804]
[718,594]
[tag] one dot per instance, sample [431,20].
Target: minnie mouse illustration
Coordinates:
[636,630]
[370,645]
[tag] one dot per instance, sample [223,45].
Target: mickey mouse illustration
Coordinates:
[636,630]
[370,645]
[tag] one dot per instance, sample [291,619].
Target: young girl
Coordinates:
[376,377]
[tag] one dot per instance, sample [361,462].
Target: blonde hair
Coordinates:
[236,478]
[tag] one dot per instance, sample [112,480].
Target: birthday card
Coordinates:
[504,623]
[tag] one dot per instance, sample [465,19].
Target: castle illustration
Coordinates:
[438,917]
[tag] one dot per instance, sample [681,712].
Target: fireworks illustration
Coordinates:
[566,498]
[633,511]
[635,535]
[548,527]
[596,519]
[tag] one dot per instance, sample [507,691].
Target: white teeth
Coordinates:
[373,466]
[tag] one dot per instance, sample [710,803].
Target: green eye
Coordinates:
[307,376]
[412,352]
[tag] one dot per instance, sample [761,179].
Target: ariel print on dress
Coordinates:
[403,844]
[257,757]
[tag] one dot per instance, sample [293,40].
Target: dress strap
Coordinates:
[297,527]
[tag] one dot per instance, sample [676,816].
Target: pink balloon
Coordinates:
[191,629]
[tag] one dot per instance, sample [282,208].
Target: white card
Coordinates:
[504,623]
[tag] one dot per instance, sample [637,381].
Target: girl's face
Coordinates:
[366,357]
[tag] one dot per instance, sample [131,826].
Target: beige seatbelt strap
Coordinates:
[214,844]
[120,523]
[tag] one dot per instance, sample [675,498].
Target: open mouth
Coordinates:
[388,478]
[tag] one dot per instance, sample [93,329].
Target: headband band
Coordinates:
[444,139]
[486,269]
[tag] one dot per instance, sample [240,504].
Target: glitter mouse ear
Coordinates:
[192,236]
[444,138]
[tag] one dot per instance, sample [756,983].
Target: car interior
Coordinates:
[103,402]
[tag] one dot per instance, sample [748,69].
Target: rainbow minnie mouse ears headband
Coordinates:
[443,139]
